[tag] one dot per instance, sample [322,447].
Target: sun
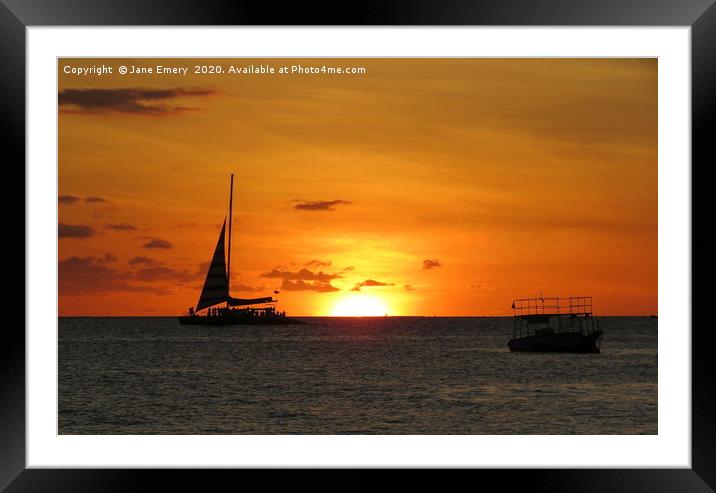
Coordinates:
[359,305]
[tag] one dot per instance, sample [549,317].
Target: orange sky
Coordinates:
[459,184]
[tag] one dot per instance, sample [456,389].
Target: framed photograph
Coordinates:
[449,237]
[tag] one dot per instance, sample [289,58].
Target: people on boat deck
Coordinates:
[257,312]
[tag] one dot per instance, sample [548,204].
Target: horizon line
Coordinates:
[352,316]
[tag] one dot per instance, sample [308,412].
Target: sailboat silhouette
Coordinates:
[235,311]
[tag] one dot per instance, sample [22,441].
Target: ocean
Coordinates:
[382,375]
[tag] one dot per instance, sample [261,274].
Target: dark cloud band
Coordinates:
[74,231]
[134,101]
[158,243]
[370,283]
[429,263]
[321,205]
[304,280]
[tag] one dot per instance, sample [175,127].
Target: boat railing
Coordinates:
[573,305]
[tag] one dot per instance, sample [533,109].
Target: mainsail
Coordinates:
[216,285]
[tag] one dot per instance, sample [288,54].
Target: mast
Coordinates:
[228,267]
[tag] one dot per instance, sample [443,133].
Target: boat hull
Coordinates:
[567,342]
[237,320]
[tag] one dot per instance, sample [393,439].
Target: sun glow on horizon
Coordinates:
[359,305]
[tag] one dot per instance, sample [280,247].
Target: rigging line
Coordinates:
[228,267]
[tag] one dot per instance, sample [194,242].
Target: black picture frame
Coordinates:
[700,15]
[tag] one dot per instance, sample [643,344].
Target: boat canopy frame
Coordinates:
[572,305]
[535,316]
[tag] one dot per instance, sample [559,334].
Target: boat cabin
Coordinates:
[548,316]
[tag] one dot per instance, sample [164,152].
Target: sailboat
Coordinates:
[220,308]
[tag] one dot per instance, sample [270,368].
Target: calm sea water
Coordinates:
[394,375]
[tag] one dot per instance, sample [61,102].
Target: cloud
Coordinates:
[370,283]
[408,287]
[301,275]
[318,263]
[67,199]
[304,280]
[320,287]
[431,263]
[158,243]
[322,205]
[142,261]
[135,101]
[106,207]
[97,200]
[163,273]
[102,207]
[74,231]
[121,227]
[81,275]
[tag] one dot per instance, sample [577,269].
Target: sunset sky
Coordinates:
[420,187]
